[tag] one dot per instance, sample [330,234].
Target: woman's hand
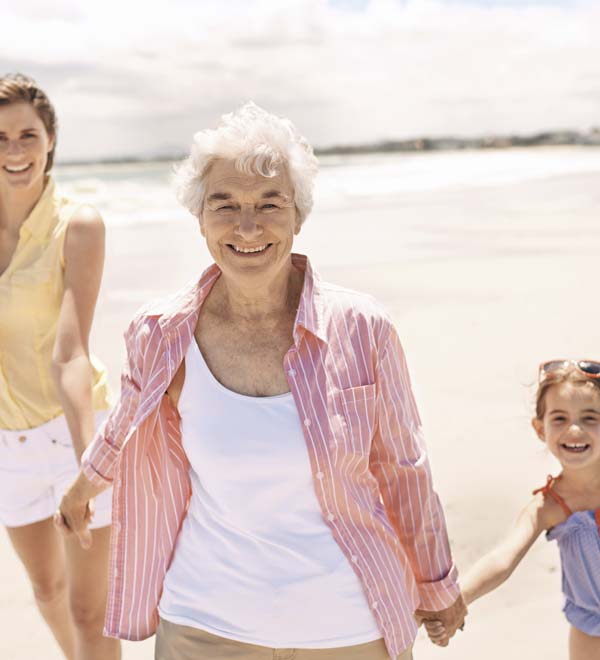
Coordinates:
[76,511]
[437,632]
[442,625]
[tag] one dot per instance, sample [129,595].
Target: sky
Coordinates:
[133,78]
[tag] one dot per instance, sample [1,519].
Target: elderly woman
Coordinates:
[272,495]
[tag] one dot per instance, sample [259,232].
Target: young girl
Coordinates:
[567,507]
[52,394]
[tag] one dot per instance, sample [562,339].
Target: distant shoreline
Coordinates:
[412,145]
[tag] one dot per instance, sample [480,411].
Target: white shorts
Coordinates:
[36,468]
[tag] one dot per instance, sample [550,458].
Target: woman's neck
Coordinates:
[248,302]
[17,204]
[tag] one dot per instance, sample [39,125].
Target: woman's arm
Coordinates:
[100,458]
[71,369]
[399,462]
[75,513]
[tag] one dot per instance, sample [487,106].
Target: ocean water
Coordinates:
[143,192]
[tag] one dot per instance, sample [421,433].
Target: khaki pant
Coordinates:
[174,642]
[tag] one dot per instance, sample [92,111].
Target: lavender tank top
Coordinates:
[578,539]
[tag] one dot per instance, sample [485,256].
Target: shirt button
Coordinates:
[330,517]
[22,438]
[319,475]
[291,372]
[354,559]
[53,441]
[307,422]
[375,605]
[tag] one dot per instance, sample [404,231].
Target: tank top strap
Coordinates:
[548,490]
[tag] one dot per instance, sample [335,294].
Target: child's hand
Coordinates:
[437,632]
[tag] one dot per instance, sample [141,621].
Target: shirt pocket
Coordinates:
[356,407]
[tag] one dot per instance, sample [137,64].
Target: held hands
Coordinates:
[75,514]
[442,625]
[437,632]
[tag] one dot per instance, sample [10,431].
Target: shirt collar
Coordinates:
[42,216]
[310,309]
[185,305]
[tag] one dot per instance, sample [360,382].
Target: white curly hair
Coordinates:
[260,143]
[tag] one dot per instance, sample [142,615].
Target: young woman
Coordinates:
[52,394]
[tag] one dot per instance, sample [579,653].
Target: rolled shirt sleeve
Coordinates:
[399,462]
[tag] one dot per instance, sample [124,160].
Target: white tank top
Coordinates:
[254,560]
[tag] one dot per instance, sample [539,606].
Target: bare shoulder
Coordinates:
[86,223]
[85,231]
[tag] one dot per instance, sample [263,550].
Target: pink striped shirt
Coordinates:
[348,375]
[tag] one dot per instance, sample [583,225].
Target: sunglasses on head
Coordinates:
[589,368]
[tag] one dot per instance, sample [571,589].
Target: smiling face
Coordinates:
[570,425]
[249,222]
[24,146]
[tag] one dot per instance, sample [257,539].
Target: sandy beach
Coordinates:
[496,278]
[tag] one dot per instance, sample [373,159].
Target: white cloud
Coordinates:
[128,77]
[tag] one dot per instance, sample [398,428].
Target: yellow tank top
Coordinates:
[31,293]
